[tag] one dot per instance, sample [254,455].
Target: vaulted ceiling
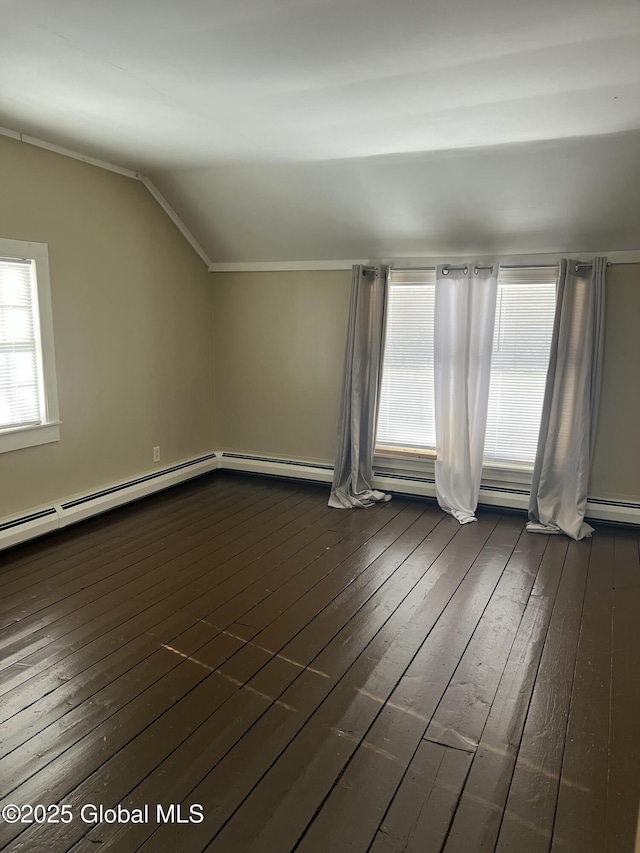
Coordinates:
[324,129]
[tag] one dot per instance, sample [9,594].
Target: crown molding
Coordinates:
[173,216]
[67,152]
[617,257]
[120,170]
[281,266]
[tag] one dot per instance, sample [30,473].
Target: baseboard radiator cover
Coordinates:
[413,485]
[618,511]
[46,519]
[28,526]
[73,509]
[317,472]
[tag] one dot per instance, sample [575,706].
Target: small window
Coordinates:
[28,394]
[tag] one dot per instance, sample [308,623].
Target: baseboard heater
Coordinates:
[46,519]
[317,472]
[414,485]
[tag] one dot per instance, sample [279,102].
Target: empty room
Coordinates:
[319,426]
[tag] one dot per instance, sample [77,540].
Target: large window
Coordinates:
[525,310]
[28,396]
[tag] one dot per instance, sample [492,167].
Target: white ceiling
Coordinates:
[321,129]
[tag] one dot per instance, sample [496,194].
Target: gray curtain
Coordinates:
[561,473]
[358,410]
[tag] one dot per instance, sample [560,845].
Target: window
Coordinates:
[525,308]
[28,395]
[406,413]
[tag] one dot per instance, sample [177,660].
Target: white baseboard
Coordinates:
[425,487]
[315,471]
[28,526]
[507,497]
[620,512]
[45,519]
[598,509]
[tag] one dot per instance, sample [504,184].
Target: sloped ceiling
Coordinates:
[323,129]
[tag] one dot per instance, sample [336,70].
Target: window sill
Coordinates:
[29,436]
[391,451]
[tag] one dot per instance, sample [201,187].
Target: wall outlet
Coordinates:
[156,454]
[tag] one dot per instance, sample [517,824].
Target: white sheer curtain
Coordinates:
[567,430]
[358,408]
[465,306]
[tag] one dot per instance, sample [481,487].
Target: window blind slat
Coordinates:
[405,416]
[522,338]
[20,386]
[520,357]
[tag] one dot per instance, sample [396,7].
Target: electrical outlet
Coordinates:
[156,454]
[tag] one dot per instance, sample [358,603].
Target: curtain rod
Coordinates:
[545,266]
[502,267]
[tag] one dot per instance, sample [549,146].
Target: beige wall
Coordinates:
[131,325]
[615,471]
[279,342]
[133,335]
[279,346]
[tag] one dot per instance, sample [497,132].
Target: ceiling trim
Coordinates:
[617,257]
[280,266]
[173,216]
[120,170]
[67,152]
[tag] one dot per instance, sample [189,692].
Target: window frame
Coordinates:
[31,435]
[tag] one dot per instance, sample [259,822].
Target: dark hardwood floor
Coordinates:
[292,677]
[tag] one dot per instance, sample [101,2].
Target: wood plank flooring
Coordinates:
[279,676]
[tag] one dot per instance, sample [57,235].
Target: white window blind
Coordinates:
[406,414]
[21,392]
[525,311]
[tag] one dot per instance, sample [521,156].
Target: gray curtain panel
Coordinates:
[359,406]
[567,430]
